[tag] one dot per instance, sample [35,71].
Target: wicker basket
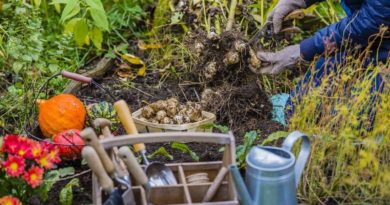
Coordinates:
[143,126]
[183,193]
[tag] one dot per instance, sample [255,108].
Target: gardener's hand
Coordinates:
[281,10]
[279,61]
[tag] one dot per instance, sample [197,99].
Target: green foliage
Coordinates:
[161,15]
[85,19]
[185,149]
[66,193]
[220,128]
[51,178]
[275,136]
[243,149]
[161,151]
[31,51]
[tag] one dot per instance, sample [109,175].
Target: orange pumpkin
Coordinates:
[59,113]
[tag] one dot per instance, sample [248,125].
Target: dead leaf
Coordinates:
[122,73]
[132,59]
[143,46]
[142,71]
[136,61]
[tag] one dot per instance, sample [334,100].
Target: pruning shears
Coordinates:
[267,30]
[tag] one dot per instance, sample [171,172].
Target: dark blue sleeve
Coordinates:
[357,28]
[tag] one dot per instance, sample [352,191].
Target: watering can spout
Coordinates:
[242,191]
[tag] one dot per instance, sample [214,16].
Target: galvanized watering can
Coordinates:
[272,173]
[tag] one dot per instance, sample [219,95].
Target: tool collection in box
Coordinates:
[118,178]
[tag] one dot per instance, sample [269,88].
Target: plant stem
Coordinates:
[232,11]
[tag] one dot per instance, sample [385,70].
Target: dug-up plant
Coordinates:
[25,168]
[350,161]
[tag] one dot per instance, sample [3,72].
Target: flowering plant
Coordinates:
[24,165]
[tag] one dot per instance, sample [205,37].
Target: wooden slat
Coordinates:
[188,199]
[166,137]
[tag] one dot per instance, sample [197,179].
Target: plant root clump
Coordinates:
[221,58]
[172,112]
[225,67]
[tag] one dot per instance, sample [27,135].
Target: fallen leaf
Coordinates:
[132,59]
[122,73]
[143,46]
[135,61]
[142,71]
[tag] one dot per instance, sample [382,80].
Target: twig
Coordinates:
[232,11]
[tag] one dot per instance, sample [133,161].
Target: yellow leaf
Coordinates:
[142,71]
[143,46]
[133,59]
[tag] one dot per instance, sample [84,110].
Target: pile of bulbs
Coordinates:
[172,112]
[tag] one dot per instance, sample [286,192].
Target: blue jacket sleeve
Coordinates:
[357,28]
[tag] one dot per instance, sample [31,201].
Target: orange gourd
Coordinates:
[59,113]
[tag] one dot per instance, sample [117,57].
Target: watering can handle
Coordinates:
[303,153]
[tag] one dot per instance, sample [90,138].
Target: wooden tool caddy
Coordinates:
[182,193]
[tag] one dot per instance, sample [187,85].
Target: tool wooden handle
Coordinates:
[93,161]
[76,77]
[132,165]
[215,185]
[91,139]
[124,114]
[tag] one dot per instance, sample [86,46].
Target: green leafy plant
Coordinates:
[243,149]
[274,137]
[66,194]
[185,149]
[220,128]
[161,151]
[52,177]
[85,19]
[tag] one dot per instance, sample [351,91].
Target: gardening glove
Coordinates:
[281,60]
[281,10]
